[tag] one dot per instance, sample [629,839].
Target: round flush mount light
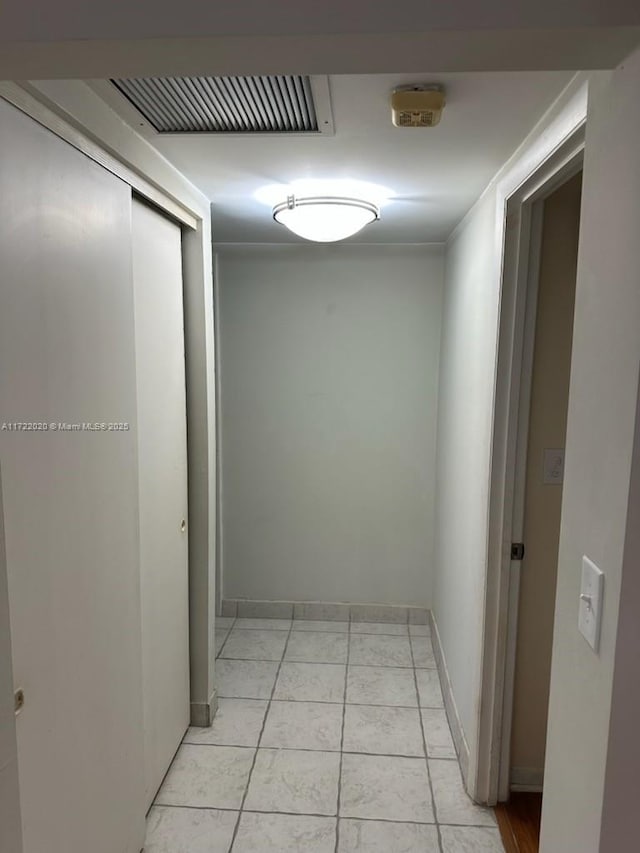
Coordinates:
[325,219]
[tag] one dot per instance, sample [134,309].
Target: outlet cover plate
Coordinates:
[591,593]
[553,471]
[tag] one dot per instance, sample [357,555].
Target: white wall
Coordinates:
[600,434]
[329,372]
[157,37]
[600,429]
[473,269]
[622,780]
[161,18]
[467,366]
[10,823]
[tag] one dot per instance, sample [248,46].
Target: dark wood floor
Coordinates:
[519,822]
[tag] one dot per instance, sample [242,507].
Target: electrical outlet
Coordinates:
[553,472]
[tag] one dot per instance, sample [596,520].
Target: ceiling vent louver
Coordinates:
[273,104]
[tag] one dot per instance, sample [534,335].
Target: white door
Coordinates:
[162,456]
[70,495]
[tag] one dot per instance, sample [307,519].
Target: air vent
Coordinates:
[274,104]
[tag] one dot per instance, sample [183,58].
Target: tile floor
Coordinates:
[330,737]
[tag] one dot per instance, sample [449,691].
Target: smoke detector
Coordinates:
[417,106]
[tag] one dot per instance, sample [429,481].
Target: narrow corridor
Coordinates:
[330,737]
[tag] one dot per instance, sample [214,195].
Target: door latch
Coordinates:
[517,551]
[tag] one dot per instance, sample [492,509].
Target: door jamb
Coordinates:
[532,224]
[522,212]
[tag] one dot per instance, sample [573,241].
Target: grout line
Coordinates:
[405,667]
[403,635]
[348,666]
[311,750]
[426,753]
[344,716]
[229,630]
[326,816]
[255,756]
[325,702]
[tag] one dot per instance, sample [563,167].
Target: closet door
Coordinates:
[162,456]
[67,358]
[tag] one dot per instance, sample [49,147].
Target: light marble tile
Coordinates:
[379,730]
[471,839]
[320,610]
[374,836]
[437,734]
[255,645]
[303,725]
[238,722]
[265,609]
[222,622]
[283,833]
[453,805]
[429,689]
[317,647]
[294,781]
[311,682]
[391,628]
[373,685]
[243,624]
[368,650]
[229,609]
[176,830]
[418,616]
[383,787]
[333,627]
[221,635]
[423,656]
[419,630]
[243,679]
[378,613]
[207,777]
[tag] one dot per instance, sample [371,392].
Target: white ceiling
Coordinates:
[435,174]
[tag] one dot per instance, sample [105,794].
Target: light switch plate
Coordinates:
[553,472]
[591,593]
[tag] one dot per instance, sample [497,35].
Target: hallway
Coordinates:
[330,736]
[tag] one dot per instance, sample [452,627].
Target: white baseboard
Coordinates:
[325,610]
[459,739]
[526,779]
[202,713]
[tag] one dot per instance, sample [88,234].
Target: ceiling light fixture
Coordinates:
[325,219]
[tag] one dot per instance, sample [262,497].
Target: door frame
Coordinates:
[522,232]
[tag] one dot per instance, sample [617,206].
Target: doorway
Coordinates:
[542,422]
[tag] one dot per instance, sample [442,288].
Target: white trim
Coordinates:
[26,102]
[219,525]
[556,156]
[527,779]
[455,724]
[339,611]
[531,225]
